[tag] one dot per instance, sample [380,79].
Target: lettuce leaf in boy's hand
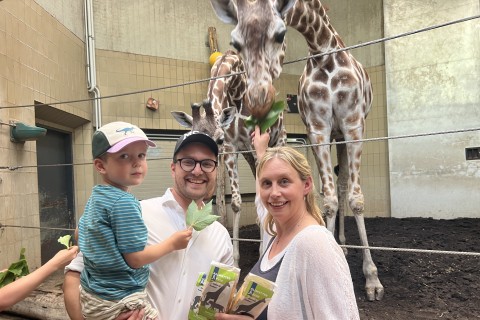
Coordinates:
[269,120]
[199,219]
[65,240]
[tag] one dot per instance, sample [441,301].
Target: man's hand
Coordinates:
[132,315]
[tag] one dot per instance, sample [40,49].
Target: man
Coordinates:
[172,278]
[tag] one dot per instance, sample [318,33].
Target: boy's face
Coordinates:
[125,168]
[194,185]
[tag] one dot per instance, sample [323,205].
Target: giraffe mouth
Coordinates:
[260,100]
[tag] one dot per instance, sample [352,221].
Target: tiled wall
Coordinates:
[374,176]
[122,72]
[42,61]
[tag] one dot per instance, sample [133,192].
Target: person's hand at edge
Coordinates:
[260,141]
[224,316]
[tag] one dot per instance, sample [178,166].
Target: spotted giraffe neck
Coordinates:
[311,20]
[228,91]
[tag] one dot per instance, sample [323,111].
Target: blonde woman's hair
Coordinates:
[301,165]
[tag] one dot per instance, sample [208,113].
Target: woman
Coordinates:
[310,270]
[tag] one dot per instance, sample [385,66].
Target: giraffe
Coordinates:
[246,310]
[211,297]
[222,93]
[334,99]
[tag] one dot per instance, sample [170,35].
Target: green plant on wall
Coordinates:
[16,270]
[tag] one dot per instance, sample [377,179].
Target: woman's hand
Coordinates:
[63,257]
[260,141]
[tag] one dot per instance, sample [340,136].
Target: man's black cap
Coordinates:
[195,136]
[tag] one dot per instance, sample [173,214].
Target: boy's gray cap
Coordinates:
[195,136]
[114,136]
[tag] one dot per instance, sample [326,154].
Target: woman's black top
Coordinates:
[270,274]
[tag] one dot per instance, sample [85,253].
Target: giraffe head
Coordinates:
[258,37]
[207,122]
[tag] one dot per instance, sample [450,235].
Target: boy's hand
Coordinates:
[180,239]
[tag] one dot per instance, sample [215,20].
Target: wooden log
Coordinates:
[46,302]
[41,305]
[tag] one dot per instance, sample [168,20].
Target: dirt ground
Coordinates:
[417,285]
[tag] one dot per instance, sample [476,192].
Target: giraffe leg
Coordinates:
[341,229]
[330,217]
[324,162]
[342,189]
[220,193]
[354,152]
[231,162]
[236,250]
[236,207]
[373,286]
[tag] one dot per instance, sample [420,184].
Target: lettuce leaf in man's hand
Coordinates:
[199,219]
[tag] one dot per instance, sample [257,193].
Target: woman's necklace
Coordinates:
[292,233]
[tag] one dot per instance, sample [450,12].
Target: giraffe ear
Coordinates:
[226,10]
[227,116]
[283,6]
[183,119]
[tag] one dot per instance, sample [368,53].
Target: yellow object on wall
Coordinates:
[213,57]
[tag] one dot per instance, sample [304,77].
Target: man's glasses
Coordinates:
[188,164]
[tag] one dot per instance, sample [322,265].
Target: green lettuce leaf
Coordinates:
[271,117]
[65,240]
[16,270]
[199,219]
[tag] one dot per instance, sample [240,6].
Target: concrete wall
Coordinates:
[433,82]
[169,29]
[357,22]
[68,13]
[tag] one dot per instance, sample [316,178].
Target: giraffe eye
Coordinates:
[236,45]
[279,37]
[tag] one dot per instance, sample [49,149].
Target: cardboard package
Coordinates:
[218,290]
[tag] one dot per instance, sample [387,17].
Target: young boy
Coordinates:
[112,234]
